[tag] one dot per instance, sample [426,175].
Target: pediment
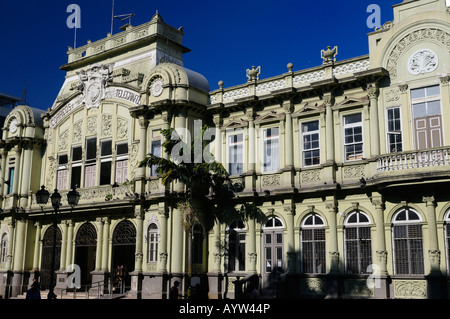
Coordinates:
[270,117]
[234,123]
[351,101]
[309,108]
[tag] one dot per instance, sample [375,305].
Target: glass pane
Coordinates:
[401,216]
[354,118]
[417,93]
[413,216]
[268,238]
[76,153]
[105,173]
[433,90]
[106,148]
[419,110]
[310,126]
[363,218]
[122,149]
[91,148]
[434,108]
[309,220]
[62,159]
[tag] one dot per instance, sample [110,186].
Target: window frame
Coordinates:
[416,222]
[264,140]
[239,242]
[312,149]
[152,242]
[104,161]
[352,126]
[389,132]
[233,144]
[314,228]
[359,227]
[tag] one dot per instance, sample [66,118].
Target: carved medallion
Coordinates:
[422,61]
[13,126]
[157,87]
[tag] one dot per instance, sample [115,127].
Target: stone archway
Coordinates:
[85,251]
[47,250]
[123,254]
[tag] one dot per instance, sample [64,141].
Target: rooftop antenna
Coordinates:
[24,93]
[112,18]
[123,17]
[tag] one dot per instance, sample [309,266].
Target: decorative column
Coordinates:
[26,173]
[11,236]
[138,213]
[289,144]
[166,117]
[37,240]
[142,153]
[290,251]
[218,140]
[15,182]
[62,261]
[406,116]
[69,242]
[381,251]
[372,92]
[433,247]
[333,246]
[18,258]
[105,244]
[329,101]
[162,246]
[217,248]
[251,141]
[252,255]
[3,175]
[98,252]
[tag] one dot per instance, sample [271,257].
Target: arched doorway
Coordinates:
[123,254]
[47,251]
[85,251]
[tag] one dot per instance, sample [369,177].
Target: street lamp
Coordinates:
[42,197]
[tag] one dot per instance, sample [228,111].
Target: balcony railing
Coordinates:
[413,159]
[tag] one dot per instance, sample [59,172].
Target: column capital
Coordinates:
[403,88]
[143,122]
[378,203]
[328,99]
[372,91]
[429,200]
[332,207]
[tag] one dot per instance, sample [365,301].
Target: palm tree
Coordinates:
[200,178]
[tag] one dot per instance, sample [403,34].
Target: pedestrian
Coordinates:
[34,292]
[174,293]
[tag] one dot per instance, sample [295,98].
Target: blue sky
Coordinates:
[226,37]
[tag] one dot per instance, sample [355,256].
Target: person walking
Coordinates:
[34,292]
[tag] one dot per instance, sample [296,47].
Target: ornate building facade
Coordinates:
[343,169]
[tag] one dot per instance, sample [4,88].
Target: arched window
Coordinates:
[358,243]
[152,239]
[313,244]
[236,246]
[4,248]
[408,243]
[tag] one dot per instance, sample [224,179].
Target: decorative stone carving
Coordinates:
[77,133]
[122,128]
[351,67]
[253,73]
[310,176]
[329,55]
[271,180]
[415,36]
[156,87]
[270,86]
[357,287]
[93,83]
[91,125]
[410,289]
[51,172]
[309,77]
[106,125]
[63,140]
[354,171]
[423,61]
[313,286]
[392,95]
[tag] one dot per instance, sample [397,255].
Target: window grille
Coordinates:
[408,243]
[313,245]
[358,244]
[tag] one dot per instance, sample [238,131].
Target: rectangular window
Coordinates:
[61,175]
[236,154]
[121,163]
[394,130]
[75,180]
[105,162]
[271,149]
[353,137]
[10,179]
[90,168]
[155,150]
[311,145]
[426,107]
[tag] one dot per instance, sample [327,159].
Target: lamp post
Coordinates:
[42,197]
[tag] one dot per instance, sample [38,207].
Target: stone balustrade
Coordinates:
[413,159]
